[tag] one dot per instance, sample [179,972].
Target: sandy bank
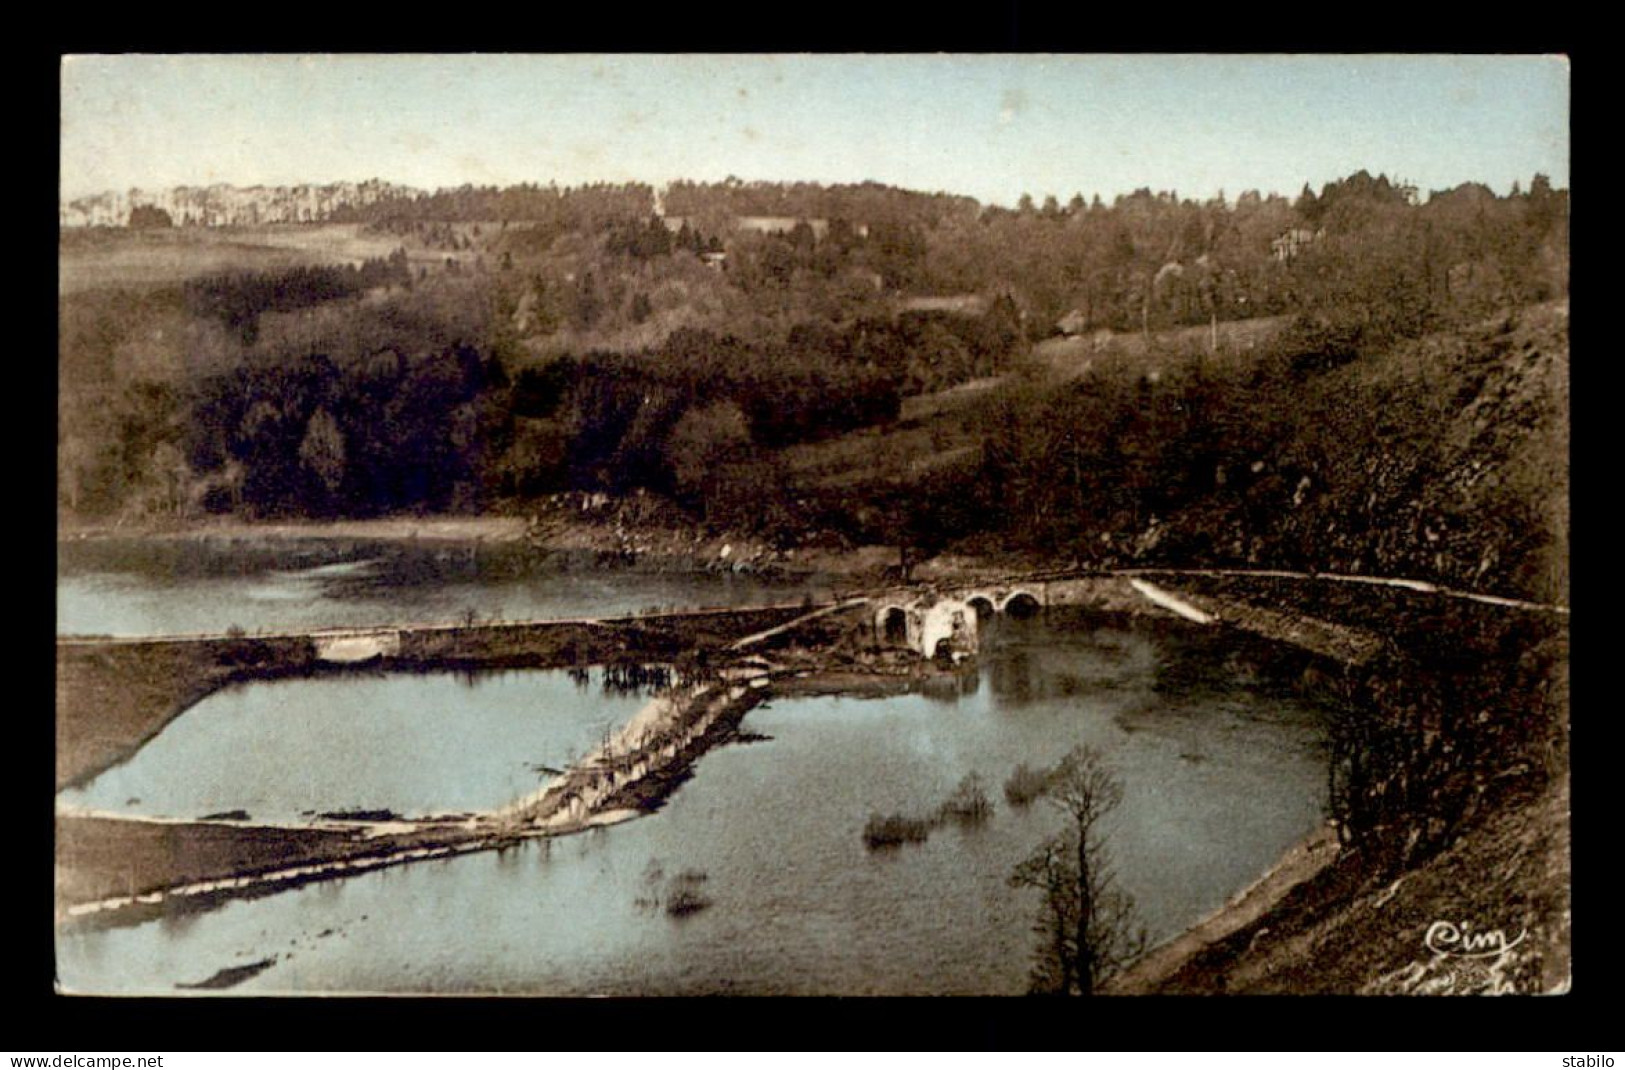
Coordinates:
[105,858]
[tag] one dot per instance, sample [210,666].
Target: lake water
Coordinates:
[1222,772]
[414,745]
[133,587]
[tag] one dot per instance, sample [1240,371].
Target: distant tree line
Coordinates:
[870,201]
[1362,257]
[586,207]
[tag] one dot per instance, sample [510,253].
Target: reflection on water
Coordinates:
[1217,786]
[411,744]
[153,587]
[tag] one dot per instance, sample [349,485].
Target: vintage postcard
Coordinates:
[861,525]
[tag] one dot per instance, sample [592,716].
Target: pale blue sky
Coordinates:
[992,127]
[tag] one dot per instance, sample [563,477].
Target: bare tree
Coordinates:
[1086,925]
[1049,870]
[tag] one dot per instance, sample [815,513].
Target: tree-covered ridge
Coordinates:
[589,206]
[531,340]
[870,202]
[360,429]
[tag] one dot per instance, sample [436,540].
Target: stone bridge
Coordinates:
[945,623]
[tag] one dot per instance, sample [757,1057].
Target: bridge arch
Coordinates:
[891,624]
[1021,604]
[983,604]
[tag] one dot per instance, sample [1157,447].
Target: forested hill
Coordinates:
[476,349]
[1144,259]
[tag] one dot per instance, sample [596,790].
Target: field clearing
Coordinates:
[935,429]
[953,399]
[337,241]
[1238,339]
[140,264]
[944,427]
[104,257]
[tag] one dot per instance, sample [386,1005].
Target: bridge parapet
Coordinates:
[1012,598]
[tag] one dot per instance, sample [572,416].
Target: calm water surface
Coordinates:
[131,587]
[411,744]
[1221,777]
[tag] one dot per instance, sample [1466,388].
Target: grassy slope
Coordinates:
[1237,340]
[941,428]
[1444,458]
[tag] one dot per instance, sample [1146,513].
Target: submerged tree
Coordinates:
[1086,925]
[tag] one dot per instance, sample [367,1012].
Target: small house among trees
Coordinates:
[1072,324]
[1293,242]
